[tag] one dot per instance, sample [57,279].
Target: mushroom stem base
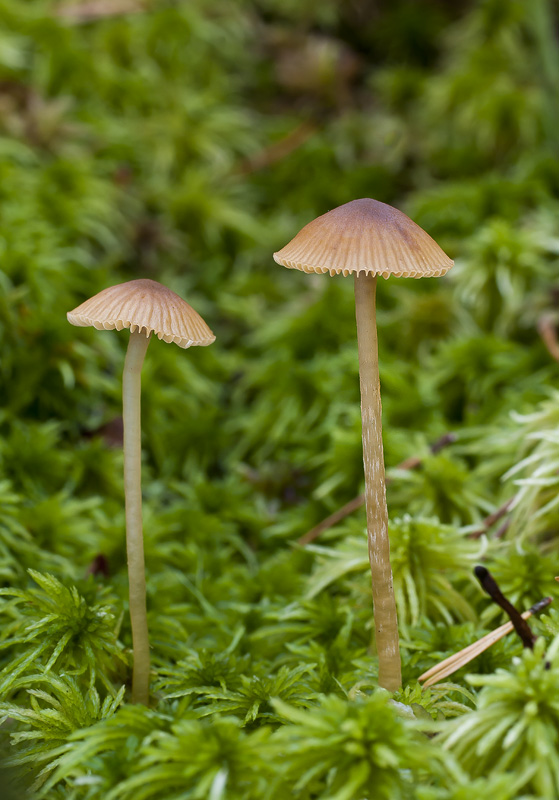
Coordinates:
[131,409]
[384,603]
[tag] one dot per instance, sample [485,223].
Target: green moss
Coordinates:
[186,144]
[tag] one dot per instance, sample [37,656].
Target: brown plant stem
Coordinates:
[84,12]
[458,660]
[278,150]
[131,410]
[409,463]
[332,520]
[548,333]
[491,519]
[384,604]
[502,529]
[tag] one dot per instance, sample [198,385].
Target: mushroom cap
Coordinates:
[144,306]
[365,236]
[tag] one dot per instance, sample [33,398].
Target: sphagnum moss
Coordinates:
[118,161]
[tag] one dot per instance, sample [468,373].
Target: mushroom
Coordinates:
[367,238]
[145,307]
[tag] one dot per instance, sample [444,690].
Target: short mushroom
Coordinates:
[145,307]
[367,238]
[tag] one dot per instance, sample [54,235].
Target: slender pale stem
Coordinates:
[131,408]
[384,604]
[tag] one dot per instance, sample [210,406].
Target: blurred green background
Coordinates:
[185,142]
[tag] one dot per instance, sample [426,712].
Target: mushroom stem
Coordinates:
[131,408]
[384,604]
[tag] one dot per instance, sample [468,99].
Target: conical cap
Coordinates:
[365,236]
[144,306]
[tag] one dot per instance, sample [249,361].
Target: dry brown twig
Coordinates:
[278,150]
[491,519]
[332,520]
[409,463]
[548,333]
[89,11]
[454,662]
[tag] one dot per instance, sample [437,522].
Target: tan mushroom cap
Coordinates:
[144,306]
[365,236]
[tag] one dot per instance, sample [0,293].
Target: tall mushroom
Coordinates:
[367,238]
[145,307]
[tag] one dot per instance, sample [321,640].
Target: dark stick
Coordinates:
[541,604]
[444,441]
[99,566]
[489,584]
